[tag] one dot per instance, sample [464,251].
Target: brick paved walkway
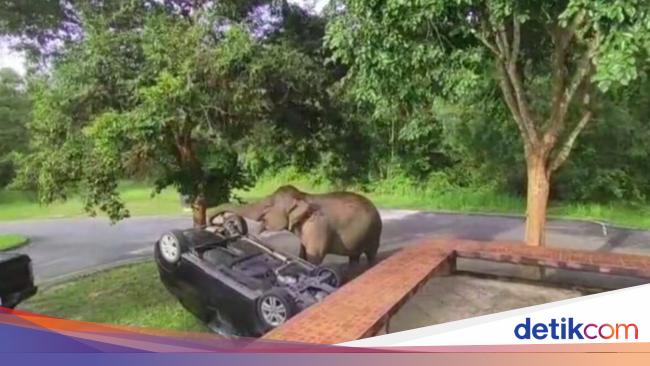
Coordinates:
[362,307]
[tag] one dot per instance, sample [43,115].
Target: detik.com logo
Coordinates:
[568,328]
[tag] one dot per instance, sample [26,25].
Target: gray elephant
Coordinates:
[342,223]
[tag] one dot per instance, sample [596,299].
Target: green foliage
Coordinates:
[29,16]
[198,103]
[170,101]
[610,162]
[423,69]
[15,112]
[307,127]
[402,100]
[269,181]
[623,27]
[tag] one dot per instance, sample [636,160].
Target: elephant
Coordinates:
[342,223]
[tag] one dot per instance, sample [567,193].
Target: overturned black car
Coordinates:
[234,282]
[16,279]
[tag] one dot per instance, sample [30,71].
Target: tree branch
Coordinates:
[511,82]
[559,82]
[489,45]
[518,88]
[515,77]
[508,94]
[502,36]
[512,85]
[563,95]
[567,146]
[516,38]
[481,37]
[582,71]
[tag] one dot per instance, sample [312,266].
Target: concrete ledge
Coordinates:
[362,307]
[599,262]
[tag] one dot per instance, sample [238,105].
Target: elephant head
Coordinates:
[286,209]
[282,210]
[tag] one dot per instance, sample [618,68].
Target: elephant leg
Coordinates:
[314,259]
[314,253]
[354,259]
[315,235]
[371,251]
[371,256]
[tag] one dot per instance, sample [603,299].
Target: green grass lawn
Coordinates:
[18,205]
[10,241]
[131,295]
[21,205]
[493,203]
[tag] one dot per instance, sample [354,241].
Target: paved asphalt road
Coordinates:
[64,247]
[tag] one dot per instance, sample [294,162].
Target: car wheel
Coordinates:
[235,225]
[275,308]
[8,302]
[171,245]
[220,218]
[329,276]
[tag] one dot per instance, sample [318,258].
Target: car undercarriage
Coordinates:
[224,275]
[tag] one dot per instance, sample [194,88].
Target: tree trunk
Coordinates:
[537,200]
[199,208]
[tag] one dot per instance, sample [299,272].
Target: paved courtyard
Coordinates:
[455,297]
[365,306]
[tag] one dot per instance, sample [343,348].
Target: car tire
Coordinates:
[170,247]
[8,302]
[235,225]
[330,276]
[275,307]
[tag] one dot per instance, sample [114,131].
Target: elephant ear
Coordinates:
[300,211]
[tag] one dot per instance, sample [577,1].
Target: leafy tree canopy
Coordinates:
[548,60]
[167,94]
[15,111]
